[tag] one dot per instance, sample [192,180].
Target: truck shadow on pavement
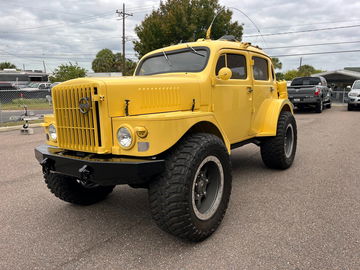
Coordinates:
[124,217]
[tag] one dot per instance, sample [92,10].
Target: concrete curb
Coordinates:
[3,129]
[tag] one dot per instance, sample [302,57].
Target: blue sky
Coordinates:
[61,31]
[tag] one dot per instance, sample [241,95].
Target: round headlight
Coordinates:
[124,137]
[52,132]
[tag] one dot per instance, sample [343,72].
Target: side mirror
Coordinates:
[225,73]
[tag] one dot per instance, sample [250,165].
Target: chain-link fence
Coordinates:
[339,96]
[17,105]
[20,105]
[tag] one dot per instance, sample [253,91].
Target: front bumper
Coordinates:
[100,169]
[304,100]
[355,101]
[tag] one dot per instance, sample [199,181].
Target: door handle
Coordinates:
[271,88]
[249,90]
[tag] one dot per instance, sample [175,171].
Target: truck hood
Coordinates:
[151,94]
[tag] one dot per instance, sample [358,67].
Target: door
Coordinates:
[233,98]
[263,84]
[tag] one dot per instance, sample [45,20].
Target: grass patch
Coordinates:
[35,104]
[20,123]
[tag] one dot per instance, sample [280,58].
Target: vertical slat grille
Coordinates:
[76,130]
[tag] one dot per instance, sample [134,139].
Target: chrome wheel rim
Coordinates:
[289,140]
[207,188]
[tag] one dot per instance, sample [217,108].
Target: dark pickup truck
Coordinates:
[310,92]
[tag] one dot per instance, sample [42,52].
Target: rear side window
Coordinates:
[236,62]
[260,69]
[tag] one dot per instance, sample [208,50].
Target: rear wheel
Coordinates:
[190,198]
[300,107]
[279,152]
[319,107]
[72,190]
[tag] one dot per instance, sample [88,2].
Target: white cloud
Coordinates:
[61,31]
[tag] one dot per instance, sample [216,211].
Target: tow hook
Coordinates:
[46,165]
[85,173]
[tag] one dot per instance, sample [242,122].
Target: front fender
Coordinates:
[164,130]
[265,123]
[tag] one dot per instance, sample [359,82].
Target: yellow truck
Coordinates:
[169,128]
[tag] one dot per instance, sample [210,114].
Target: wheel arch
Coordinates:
[209,127]
[268,116]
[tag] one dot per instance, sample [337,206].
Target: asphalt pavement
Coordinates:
[306,217]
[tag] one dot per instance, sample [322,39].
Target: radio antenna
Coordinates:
[208,32]
[257,28]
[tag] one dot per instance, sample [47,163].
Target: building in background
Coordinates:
[13,79]
[340,79]
[104,74]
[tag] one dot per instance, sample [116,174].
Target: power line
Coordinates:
[307,24]
[305,31]
[315,53]
[312,45]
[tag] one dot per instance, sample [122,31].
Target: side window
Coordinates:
[220,64]
[236,62]
[260,69]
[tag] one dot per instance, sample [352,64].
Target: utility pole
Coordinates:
[44,66]
[123,14]
[300,63]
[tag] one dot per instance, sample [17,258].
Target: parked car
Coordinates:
[310,92]
[354,96]
[37,86]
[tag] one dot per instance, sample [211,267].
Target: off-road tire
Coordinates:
[350,108]
[171,194]
[319,107]
[70,190]
[273,149]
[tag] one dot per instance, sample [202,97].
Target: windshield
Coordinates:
[191,59]
[33,85]
[306,81]
[356,85]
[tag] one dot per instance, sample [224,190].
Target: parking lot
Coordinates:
[306,217]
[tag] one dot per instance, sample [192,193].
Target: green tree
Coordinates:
[276,63]
[107,61]
[4,65]
[130,65]
[67,72]
[303,71]
[178,21]
[307,70]
[280,76]
[104,61]
[291,74]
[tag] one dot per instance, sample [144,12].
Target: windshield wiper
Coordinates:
[167,59]
[196,52]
